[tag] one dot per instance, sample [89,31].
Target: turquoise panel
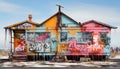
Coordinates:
[68,22]
[107,49]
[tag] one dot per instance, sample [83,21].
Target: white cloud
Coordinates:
[7,7]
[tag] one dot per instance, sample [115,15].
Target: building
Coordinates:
[59,35]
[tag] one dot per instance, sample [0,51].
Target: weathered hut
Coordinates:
[59,35]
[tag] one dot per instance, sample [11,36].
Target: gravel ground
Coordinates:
[55,65]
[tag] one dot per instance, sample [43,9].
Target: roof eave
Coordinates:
[10,26]
[114,27]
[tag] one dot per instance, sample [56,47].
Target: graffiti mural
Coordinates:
[61,35]
[39,41]
[31,40]
[19,42]
[42,41]
[77,49]
[90,38]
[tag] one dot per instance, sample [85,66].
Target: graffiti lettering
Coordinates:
[39,41]
[40,47]
[73,47]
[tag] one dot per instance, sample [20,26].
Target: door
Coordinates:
[19,40]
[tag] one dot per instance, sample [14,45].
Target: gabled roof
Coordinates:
[19,23]
[100,23]
[61,13]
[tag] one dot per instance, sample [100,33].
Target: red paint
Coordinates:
[42,37]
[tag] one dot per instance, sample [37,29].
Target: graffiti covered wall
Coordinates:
[39,41]
[69,37]
[101,37]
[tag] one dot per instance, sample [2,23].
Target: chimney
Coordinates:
[30,17]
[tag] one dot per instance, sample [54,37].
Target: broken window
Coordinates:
[63,36]
[104,38]
[84,37]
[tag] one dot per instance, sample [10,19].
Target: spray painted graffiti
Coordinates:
[20,44]
[77,49]
[40,41]
[24,26]
[74,48]
[40,47]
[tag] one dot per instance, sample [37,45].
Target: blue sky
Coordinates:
[106,11]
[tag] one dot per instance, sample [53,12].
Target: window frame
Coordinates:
[84,40]
[66,36]
[107,39]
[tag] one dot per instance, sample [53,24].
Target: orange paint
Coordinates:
[73,30]
[19,41]
[51,26]
[33,28]
[62,47]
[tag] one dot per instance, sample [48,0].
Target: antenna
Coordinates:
[59,7]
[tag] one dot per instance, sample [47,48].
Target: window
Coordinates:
[84,37]
[63,36]
[71,38]
[104,38]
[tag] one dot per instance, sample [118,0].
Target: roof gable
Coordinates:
[99,23]
[24,23]
[67,21]
[64,19]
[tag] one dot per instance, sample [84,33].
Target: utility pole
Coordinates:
[58,25]
[59,7]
